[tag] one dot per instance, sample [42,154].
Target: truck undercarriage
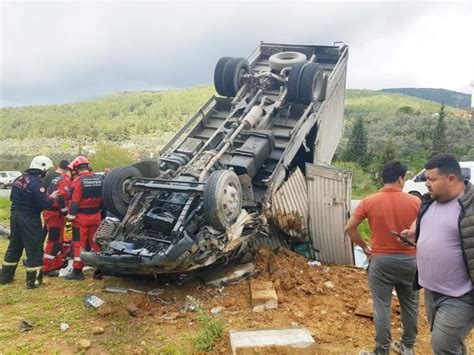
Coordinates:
[208,198]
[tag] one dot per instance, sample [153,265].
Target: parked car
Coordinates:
[7,177]
[417,187]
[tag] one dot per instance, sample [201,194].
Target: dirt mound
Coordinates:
[323,299]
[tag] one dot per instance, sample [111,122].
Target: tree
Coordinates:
[356,149]
[389,151]
[439,142]
[110,156]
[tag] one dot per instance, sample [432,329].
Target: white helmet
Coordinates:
[41,163]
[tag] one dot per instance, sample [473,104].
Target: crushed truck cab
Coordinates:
[208,198]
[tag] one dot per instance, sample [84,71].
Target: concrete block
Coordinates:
[290,341]
[365,309]
[263,292]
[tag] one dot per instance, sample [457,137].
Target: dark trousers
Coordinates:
[26,233]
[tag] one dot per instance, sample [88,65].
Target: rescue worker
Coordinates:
[29,198]
[84,212]
[51,175]
[54,218]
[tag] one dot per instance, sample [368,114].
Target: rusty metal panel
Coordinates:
[329,197]
[331,115]
[290,206]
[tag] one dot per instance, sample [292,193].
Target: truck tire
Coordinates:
[282,60]
[232,76]
[219,74]
[311,83]
[2,186]
[222,199]
[294,82]
[114,190]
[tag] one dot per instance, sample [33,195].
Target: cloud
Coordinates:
[53,52]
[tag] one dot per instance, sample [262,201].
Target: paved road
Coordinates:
[5,192]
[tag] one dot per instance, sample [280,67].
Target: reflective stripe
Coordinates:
[64,209]
[33,268]
[76,258]
[6,263]
[48,256]
[70,216]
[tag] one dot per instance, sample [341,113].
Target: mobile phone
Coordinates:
[398,235]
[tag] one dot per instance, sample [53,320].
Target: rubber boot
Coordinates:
[76,275]
[34,279]
[6,276]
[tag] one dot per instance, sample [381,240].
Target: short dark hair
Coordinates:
[446,165]
[63,164]
[392,171]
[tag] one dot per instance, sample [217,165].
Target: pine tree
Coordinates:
[356,149]
[439,142]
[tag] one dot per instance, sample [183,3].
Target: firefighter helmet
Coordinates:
[41,162]
[80,160]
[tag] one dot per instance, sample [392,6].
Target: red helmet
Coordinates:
[70,166]
[80,160]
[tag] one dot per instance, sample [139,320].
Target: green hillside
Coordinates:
[406,124]
[442,96]
[141,122]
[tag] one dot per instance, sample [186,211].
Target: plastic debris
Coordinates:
[24,326]
[93,301]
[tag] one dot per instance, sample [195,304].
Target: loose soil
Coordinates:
[304,301]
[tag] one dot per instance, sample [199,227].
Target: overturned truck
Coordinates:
[208,198]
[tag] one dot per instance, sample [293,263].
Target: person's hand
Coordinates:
[367,251]
[408,234]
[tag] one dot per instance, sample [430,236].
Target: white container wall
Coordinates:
[329,197]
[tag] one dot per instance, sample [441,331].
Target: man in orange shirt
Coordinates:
[392,265]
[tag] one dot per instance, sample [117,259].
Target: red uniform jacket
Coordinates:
[86,194]
[61,184]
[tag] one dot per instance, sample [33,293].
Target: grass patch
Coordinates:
[364,230]
[211,331]
[62,301]
[5,211]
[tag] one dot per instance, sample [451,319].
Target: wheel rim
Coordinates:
[125,192]
[317,85]
[240,77]
[230,201]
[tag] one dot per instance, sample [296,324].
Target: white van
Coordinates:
[7,177]
[416,186]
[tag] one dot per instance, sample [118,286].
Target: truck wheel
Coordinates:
[294,81]
[2,185]
[311,83]
[218,75]
[282,60]
[232,75]
[222,199]
[116,189]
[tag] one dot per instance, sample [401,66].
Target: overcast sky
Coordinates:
[63,51]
